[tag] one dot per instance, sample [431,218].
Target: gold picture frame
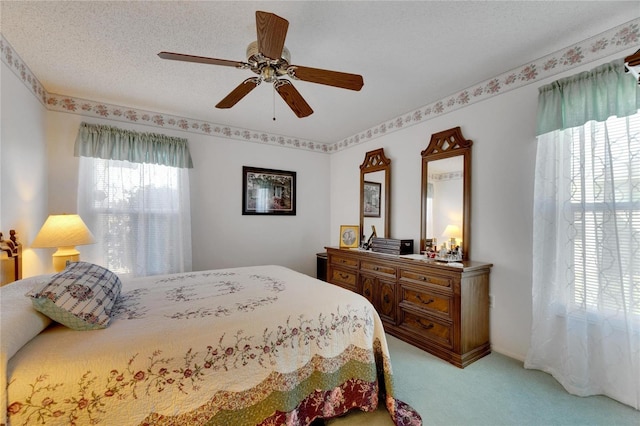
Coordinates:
[349,236]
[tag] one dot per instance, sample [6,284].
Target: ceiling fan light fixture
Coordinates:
[268,74]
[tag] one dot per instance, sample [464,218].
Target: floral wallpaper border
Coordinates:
[594,48]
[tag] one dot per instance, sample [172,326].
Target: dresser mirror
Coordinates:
[446,192]
[375,195]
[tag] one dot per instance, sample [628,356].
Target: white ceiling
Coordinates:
[409,53]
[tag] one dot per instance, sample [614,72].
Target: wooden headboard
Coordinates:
[10,259]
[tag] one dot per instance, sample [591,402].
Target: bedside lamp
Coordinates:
[64,231]
[452,232]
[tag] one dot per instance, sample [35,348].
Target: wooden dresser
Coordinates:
[439,308]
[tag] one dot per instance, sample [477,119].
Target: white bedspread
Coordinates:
[194,348]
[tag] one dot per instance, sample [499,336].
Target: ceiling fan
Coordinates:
[269,58]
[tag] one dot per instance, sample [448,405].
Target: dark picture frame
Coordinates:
[372,192]
[268,191]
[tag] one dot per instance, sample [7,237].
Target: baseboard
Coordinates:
[505,352]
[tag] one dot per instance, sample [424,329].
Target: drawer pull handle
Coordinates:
[367,292]
[426,302]
[386,298]
[426,327]
[424,278]
[344,276]
[375,268]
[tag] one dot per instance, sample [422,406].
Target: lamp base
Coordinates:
[64,255]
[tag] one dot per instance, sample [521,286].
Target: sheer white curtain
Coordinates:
[586,231]
[138,211]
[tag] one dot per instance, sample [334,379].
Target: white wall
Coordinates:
[221,236]
[502,129]
[23,168]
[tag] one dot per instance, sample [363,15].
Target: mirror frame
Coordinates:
[375,161]
[446,144]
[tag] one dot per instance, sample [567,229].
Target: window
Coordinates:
[135,212]
[586,233]
[133,193]
[605,200]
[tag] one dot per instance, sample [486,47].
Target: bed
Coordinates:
[242,346]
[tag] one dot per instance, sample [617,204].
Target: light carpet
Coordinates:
[495,390]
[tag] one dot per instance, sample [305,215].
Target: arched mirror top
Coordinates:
[375,161]
[447,143]
[375,194]
[446,192]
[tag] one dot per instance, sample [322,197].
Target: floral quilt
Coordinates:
[243,346]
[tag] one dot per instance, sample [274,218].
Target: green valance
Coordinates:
[112,143]
[591,95]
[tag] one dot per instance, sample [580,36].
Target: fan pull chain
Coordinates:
[274,102]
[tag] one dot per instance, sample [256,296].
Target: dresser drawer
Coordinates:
[344,278]
[343,261]
[426,278]
[382,295]
[428,327]
[378,268]
[439,304]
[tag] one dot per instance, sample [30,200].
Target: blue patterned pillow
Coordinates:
[80,297]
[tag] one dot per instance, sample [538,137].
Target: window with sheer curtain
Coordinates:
[133,193]
[586,233]
[605,196]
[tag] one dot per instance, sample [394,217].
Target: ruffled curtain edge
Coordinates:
[112,143]
[558,109]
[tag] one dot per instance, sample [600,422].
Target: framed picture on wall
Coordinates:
[372,199]
[268,191]
[349,236]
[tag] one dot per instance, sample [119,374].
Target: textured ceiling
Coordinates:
[409,53]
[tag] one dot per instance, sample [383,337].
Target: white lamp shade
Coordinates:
[63,230]
[452,231]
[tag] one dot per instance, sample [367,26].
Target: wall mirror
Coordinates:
[446,191]
[375,194]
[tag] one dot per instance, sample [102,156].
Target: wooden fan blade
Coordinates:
[293,98]
[633,60]
[272,31]
[239,92]
[201,59]
[330,78]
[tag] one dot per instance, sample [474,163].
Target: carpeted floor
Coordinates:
[495,390]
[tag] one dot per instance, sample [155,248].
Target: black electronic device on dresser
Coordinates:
[392,246]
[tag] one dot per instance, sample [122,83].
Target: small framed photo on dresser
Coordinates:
[349,236]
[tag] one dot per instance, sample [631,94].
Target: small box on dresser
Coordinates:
[392,246]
